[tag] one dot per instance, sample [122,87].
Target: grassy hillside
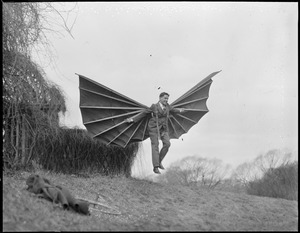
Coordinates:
[142,205]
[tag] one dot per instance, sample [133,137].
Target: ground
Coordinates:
[131,204]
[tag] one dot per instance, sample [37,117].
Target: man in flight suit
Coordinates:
[158,128]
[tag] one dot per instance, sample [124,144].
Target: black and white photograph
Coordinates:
[150,116]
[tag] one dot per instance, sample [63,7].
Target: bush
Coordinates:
[73,150]
[280,182]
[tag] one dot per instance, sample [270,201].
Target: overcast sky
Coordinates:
[136,47]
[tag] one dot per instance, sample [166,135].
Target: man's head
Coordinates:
[163,98]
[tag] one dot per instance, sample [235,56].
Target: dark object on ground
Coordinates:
[55,193]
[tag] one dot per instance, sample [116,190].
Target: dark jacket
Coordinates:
[157,114]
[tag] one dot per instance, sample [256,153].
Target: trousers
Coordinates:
[158,156]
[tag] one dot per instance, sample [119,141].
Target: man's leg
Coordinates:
[154,147]
[166,145]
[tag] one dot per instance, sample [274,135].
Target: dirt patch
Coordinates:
[142,205]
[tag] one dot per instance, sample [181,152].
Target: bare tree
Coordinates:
[196,170]
[213,172]
[253,170]
[245,173]
[26,25]
[30,102]
[272,159]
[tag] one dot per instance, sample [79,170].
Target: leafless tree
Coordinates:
[196,170]
[272,159]
[255,169]
[245,173]
[30,102]
[26,25]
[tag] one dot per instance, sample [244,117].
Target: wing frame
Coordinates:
[104,112]
[194,103]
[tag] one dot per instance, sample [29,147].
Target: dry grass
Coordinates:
[144,206]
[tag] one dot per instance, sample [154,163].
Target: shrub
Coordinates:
[280,182]
[73,150]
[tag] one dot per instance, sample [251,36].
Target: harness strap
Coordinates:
[156,114]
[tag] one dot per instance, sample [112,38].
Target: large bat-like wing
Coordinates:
[103,113]
[104,110]
[194,102]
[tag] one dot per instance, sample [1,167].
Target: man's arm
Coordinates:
[177,110]
[139,116]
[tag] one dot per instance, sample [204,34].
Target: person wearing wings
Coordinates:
[117,120]
[158,128]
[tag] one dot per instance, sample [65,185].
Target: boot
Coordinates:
[155,169]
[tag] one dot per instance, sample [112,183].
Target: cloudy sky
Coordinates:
[136,47]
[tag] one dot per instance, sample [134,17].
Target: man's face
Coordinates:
[164,99]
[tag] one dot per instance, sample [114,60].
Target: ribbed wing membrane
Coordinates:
[103,113]
[104,110]
[194,102]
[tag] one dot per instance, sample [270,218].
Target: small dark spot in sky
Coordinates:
[150,55]
[158,88]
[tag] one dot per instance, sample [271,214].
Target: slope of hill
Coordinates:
[131,204]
